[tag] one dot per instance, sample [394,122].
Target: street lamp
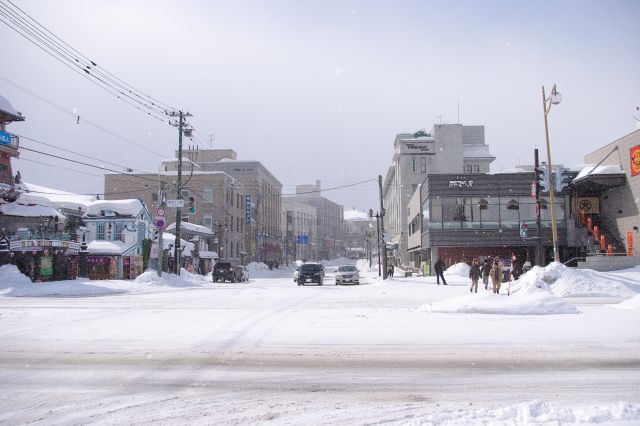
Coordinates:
[554,99]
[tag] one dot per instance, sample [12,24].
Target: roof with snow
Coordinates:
[353,215]
[600,170]
[7,110]
[192,227]
[131,207]
[56,198]
[477,151]
[28,210]
[113,248]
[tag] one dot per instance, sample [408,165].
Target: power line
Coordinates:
[84,120]
[58,167]
[85,67]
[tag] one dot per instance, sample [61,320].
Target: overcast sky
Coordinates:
[318,89]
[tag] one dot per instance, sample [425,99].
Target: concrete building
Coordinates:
[449,148]
[219,204]
[330,217]
[359,234]
[262,202]
[299,230]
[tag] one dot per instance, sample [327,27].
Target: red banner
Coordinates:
[634,155]
[629,243]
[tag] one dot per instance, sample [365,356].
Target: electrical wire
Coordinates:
[59,167]
[84,120]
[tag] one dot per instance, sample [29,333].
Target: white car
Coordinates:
[347,274]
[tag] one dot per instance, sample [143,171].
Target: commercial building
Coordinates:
[448,148]
[359,234]
[299,230]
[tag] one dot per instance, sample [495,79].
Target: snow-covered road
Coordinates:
[270,351]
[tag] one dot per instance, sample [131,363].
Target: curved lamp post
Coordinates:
[554,99]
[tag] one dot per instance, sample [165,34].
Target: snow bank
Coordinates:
[257,267]
[11,275]
[338,261]
[570,282]
[632,304]
[536,303]
[537,413]
[185,279]
[460,269]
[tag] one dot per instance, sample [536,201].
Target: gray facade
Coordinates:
[448,148]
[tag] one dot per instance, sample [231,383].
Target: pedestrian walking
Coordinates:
[474,274]
[497,270]
[390,270]
[439,268]
[486,271]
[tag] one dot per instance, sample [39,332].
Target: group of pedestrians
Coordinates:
[489,269]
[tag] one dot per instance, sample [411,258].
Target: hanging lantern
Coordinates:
[603,243]
[595,233]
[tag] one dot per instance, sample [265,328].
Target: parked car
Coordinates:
[311,272]
[347,274]
[226,271]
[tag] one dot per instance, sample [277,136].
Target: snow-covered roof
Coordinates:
[192,227]
[117,248]
[29,210]
[356,215]
[7,108]
[477,151]
[56,198]
[130,207]
[512,170]
[600,170]
[169,239]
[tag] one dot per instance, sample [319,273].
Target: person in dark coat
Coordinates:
[390,270]
[439,268]
[486,271]
[474,274]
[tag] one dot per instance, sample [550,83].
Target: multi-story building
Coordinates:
[262,202]
[330,218]
[449,148]
[219,202]
[299,230]
[359,234]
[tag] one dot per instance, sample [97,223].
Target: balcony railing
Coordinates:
[13,146]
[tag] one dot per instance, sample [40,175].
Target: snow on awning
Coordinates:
[113,248]
[199,229]
[600,178]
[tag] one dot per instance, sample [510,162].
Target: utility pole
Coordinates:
[176,252]
[384,244]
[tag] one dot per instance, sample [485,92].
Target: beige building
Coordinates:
[219,202]
[299,230]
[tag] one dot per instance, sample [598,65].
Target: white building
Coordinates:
[449,148]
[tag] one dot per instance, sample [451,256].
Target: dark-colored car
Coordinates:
[226,271]
[311,273]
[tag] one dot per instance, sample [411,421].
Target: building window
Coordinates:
[208,195]
[100,231]
[476,168]
[469,168]
[118,235]
[154,197]
[207,220]
[423,165]
[413,164]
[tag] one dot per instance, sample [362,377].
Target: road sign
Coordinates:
[160,223]
[175,203]
[160,212]
[534,189]
[523,230]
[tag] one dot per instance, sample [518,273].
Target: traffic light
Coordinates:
[192,205]
[542,180]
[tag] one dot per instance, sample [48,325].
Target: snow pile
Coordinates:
[632,304]
[570,282]
[537,413]
[460,269]
[185,279]
[14,283]
[257,267]
[535,303]
[338,261]
[11,275]
[531,282]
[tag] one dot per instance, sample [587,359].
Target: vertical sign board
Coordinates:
[5,138]
[247,209]
[629,243]
[634,155]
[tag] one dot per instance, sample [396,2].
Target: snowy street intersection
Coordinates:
[270,352]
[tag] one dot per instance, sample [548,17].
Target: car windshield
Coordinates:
[347,268]
[222,265]
[309,268]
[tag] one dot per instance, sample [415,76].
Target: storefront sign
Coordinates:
[28,245]
[587,204]
[175,203]
[460,184]
[99,260]
[629,243]
[418,147]
[634,155]
[534,189]
[5,138]
[46,266]
[247,209]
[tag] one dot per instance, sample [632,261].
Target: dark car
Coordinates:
[226,271]
[311,273]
